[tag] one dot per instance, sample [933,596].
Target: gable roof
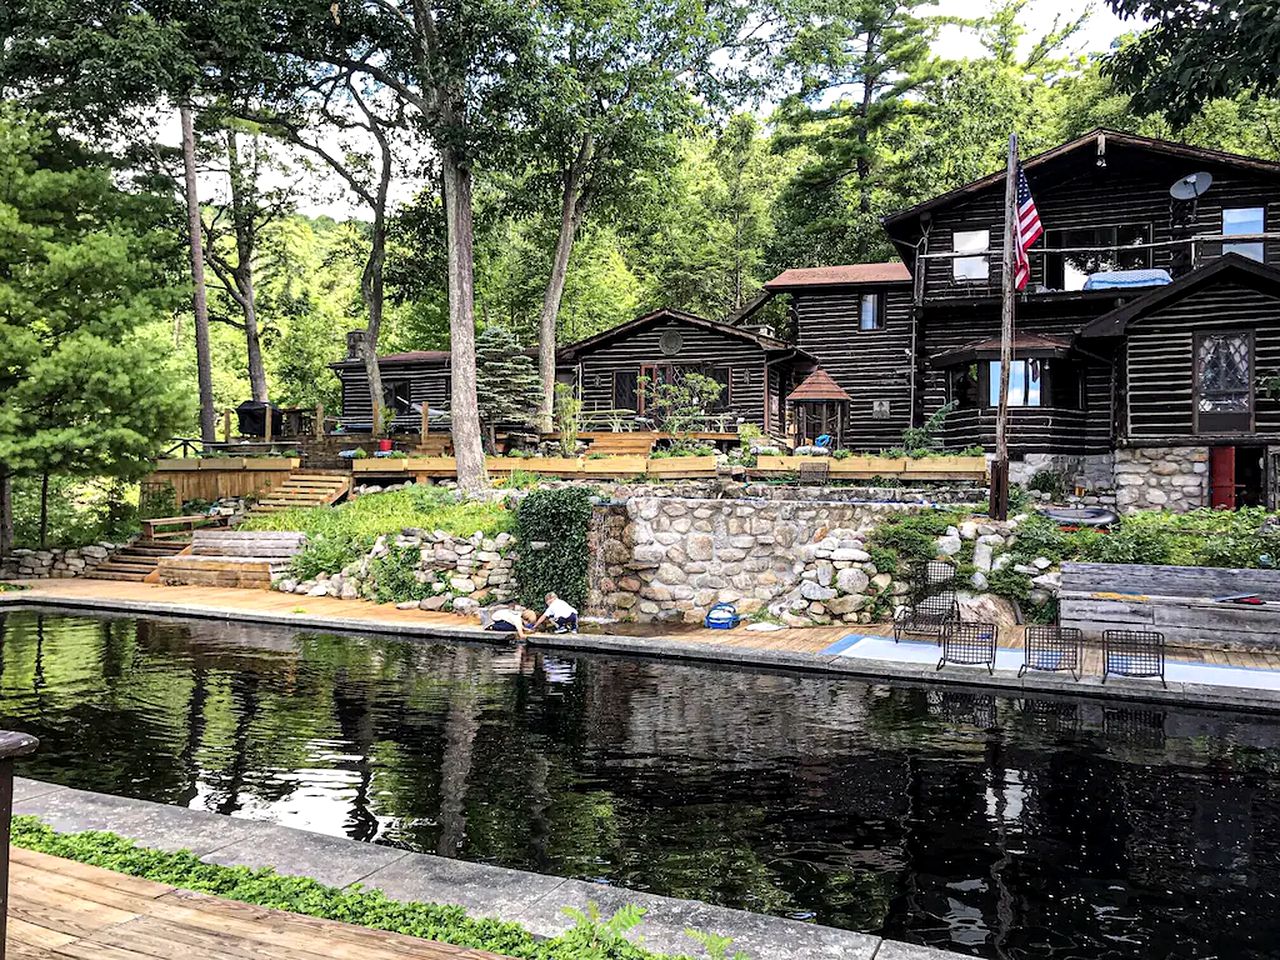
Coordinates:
[763,341]
[1024,345]
[852,274]
[395,359]
[1166,148]
[1230,266]
[818,386]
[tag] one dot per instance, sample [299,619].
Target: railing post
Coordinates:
[318,425]
[226,426]
[13,745]
[266,434]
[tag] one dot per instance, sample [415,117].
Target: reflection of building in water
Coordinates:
[557,670]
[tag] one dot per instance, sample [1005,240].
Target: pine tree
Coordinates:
[507,386]
[83,390]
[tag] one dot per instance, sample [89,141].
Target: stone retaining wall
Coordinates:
[456,573]
[806,562]
[1162,478]
[41,564]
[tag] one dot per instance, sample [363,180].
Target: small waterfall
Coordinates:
[608,526]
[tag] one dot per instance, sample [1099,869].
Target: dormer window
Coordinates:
[971,268]
[1242,221]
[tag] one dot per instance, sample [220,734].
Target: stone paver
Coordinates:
[534,900]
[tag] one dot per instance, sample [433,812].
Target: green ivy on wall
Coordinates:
[560,520]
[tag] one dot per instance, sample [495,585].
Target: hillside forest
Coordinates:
[425,172]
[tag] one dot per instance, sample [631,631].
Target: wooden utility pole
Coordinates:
[1000,468]
[204,369]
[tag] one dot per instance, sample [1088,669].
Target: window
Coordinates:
[1025,381]
[963,388]
[871,311]
[1244,220]
[1224,382]
[721,375]
[624,389]
[397,395]
[1107,248]
[970,241]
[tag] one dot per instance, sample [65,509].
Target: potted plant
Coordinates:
[385,422]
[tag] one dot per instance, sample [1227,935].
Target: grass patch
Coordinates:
[591,938]
[337,536]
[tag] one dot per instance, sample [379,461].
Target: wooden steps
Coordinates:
[135,562]
[303,490]
[232,558]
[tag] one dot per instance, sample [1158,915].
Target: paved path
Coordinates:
[60,909]
[534,900]
[1251,684]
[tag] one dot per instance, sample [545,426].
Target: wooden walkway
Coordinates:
[60,909]
[222,600]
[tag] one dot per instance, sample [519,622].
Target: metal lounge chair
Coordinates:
[933,605]
[971,644]
[1053,648]
[1133,653]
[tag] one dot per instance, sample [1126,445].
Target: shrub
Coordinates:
[567,409]
[560,519]
[1052,482]
[393,577]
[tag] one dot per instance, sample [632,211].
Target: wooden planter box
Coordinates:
[380,465]
[683,467]
[864,468]
[222,463]
[622,465]
[174,464]
[272,463]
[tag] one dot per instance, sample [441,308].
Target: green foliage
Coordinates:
[716,945]
[560,519]
[337,536]
[507,385]
[80,511]
[683,450]
[683,406]
[910,539]
[922,440]
[1010,584]
[157,500]
[568,418]
[392,577]
[1052,482]
[591,938]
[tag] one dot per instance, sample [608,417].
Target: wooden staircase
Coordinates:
[136,561]
[305,490]
[231,558]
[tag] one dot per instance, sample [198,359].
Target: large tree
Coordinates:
[83,273]
[1196,52]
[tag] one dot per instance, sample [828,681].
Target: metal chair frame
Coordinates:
[926,616]
[939,575]
[1053,648]
[1133,653]
[969,644]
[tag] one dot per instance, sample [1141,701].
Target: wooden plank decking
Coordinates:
[63,910]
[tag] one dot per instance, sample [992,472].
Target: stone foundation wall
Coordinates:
[806,562]
[61,564]
[1162,478]
[1094,472]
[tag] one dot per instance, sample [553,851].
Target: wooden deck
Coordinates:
[203,600]
[60,909]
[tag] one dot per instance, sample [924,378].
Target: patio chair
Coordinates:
[1053,648]
[939,575]
[971,644]
[1133,653]
[926,616]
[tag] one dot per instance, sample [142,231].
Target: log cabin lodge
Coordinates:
[1146,352]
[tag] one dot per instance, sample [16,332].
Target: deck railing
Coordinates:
[13,746]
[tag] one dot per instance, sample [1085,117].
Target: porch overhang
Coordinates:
[1025,346]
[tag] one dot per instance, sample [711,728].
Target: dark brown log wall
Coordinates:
[868,364]
[1160,364]
[1133,188]
[701,348]
[429,382]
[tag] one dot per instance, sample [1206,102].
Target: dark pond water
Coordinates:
[997,827]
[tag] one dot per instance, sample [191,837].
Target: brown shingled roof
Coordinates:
[818,386]
[847,275]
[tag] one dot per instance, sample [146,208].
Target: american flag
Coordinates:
[1027,231]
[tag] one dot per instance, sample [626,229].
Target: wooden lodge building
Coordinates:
[1147,346]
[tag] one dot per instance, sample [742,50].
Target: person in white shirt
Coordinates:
[561,615]
[508,620]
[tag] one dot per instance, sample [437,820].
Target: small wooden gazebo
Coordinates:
[820,406]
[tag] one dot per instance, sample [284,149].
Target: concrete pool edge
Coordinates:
[533,900]
[1033,683]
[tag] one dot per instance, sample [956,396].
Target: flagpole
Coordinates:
[999,507]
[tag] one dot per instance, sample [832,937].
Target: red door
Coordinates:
[1222,477]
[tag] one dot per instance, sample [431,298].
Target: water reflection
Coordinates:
[1003,828]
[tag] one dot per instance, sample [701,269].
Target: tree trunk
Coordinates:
[242,217]
[204,368]
[6,512]
[467,448]
[44,509]
[572,210]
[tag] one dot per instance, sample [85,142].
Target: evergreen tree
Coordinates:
[507,384]
[84,387]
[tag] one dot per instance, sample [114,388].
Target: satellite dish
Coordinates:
[1192,186]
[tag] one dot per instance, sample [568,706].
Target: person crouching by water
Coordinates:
[561,615]
[508,620]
